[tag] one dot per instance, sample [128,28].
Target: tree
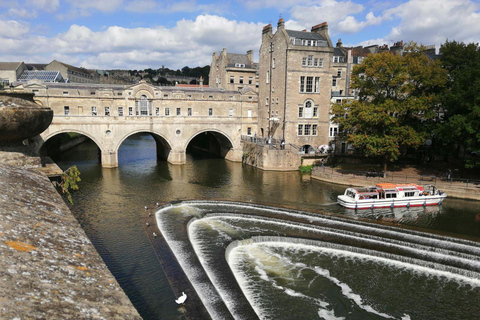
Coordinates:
[397,97]
[460,129]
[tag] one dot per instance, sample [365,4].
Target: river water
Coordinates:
[317,281]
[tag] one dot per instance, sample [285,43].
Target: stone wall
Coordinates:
[49,268]
[266,158]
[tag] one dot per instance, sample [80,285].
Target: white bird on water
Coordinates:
[181,299]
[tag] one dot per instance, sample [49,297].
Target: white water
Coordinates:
[229,227]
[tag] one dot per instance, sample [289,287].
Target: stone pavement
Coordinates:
[48,268]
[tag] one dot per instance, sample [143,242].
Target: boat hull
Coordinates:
[350,203]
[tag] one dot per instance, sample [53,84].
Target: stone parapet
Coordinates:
[49,268]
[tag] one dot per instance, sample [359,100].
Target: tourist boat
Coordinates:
[390,195]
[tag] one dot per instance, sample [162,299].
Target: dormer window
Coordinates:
[239,65]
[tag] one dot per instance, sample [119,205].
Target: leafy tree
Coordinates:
[397,96]
[461,98]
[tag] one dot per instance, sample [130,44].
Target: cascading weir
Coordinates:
[249,261]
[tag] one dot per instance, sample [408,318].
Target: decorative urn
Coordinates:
[21,118]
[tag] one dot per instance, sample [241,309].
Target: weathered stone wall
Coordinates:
[49,269]
[265,158]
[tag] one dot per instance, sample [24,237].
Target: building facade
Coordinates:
[10,72]
[233,71]
[108,114]
[295,75]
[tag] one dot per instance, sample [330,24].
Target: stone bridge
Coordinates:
[174,116]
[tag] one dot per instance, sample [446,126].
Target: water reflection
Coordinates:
[110,202]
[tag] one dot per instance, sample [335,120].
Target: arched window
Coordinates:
[308,111]
[143,105]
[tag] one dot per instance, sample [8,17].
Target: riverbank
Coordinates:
[461,189]
[49,268]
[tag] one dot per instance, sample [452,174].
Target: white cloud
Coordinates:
[432,22]
[22,13]
[12,30]
[85,8]
[189,42]
[330,11]
[167,7]
[45,5]
[351,25]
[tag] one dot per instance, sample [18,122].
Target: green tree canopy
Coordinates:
[461,98]
[397,95]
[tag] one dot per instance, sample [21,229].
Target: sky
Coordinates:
[139,34]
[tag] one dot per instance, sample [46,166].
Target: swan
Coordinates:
[181,299]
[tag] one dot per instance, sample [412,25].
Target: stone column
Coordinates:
[177,157]
[109,159]
[234,155]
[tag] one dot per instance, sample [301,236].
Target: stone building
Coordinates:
[73,74]
[233,71]
[295,75]
[10,72]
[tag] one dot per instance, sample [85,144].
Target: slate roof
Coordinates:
[36,66]
[9,65]
[338,52]
[233,58]
[77,69]
[305,35]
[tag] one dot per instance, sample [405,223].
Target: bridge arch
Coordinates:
[86,134]
[222,148]
[48,149]
[164,146]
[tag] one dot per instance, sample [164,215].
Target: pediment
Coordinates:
[143,88]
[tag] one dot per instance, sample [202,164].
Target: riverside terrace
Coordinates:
[49,269]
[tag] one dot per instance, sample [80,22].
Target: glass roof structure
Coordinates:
[43,75]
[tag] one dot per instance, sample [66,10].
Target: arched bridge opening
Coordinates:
[209,144]
[58,148]
[143,146]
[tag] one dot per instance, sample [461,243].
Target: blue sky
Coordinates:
[138,34]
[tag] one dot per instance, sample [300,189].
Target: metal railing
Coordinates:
[378,176]
[273,143]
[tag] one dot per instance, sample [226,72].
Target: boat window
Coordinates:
[409,194]
[351,194]
[391,195]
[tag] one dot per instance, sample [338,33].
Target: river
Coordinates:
[110,203]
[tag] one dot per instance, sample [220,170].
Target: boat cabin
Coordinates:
[390,191]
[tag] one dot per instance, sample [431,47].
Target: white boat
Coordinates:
[390,195]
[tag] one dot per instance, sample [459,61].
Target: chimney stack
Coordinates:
[267,29]
[322,29]
[250,57]
[281,24]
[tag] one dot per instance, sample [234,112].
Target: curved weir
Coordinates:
[250,261]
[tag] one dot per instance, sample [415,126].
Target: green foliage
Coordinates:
[305,169]
[69,182]
[461,99]
[397,98]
